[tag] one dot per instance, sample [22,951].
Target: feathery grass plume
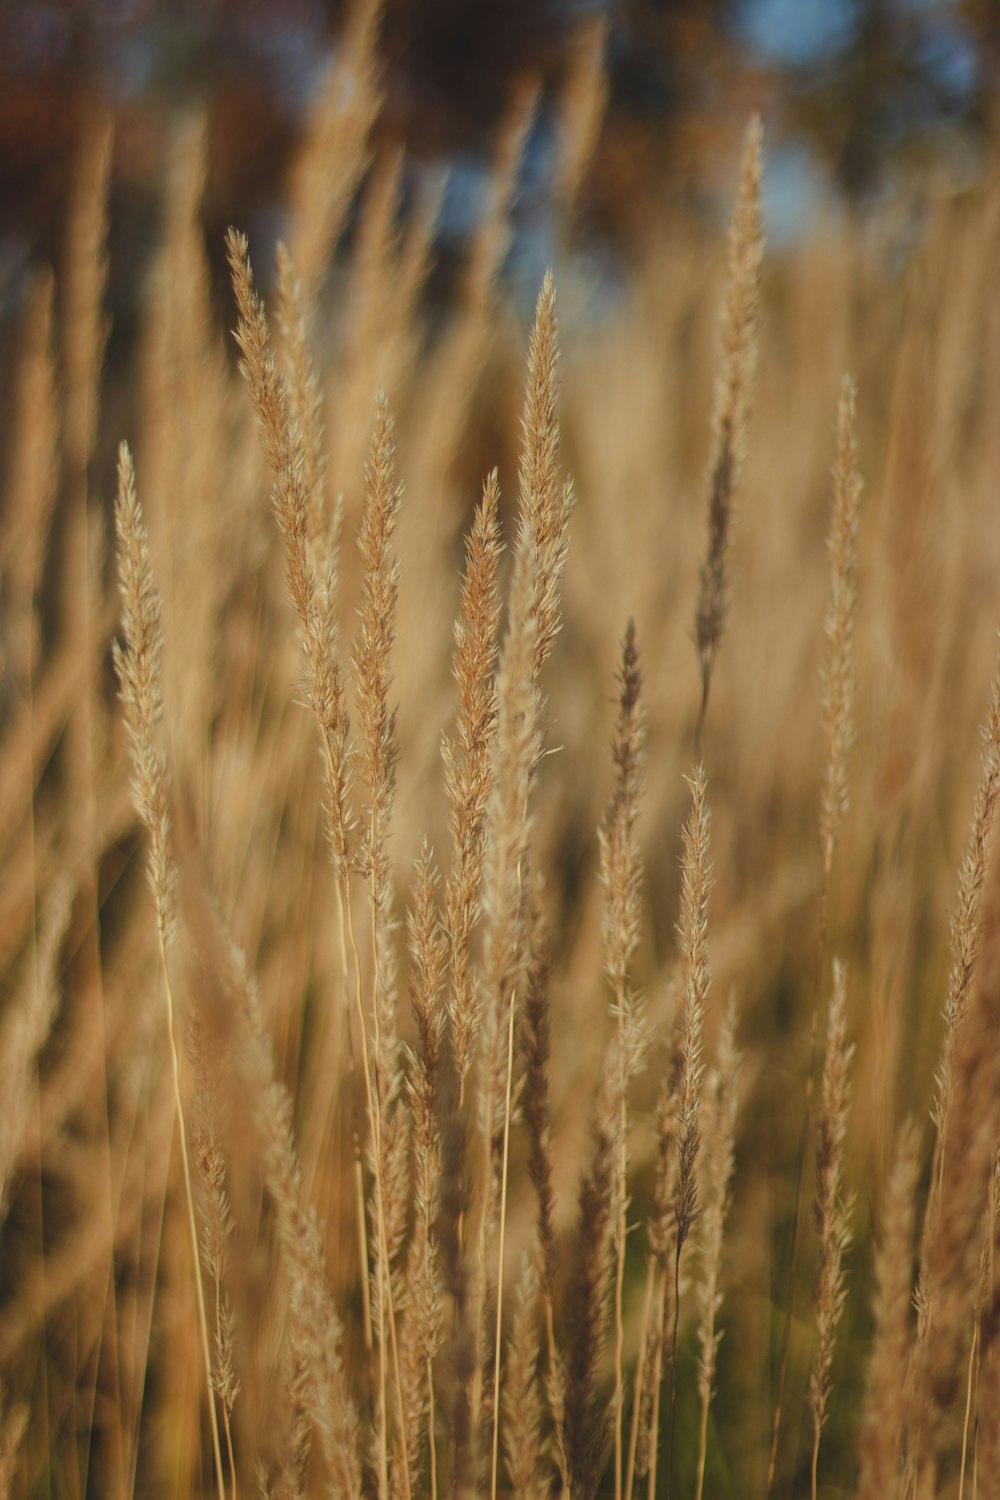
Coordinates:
[621,878]
[316,1331]
[468,766]
[522,1433]
[545,505]
[884,1411]
[33,479]
[313,596]
[335,152]
[720,1106]
[731,410]
[26,1025]
[533,621]
[137,664]
[831,1209]
[373,677]
[839,671]
[429,958]
[620,855]
[692,932]
[506,850]
[371,660]
[952,1226]
[838,691]
[967,921]
[587,1421]
[304,394]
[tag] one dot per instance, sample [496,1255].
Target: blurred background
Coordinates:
[863,100]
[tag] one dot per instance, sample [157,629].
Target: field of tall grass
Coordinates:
[499,938]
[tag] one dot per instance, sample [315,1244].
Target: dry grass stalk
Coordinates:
[967,920]
[372,669]
[645,1431]
[621,878]
[587,1422]
[720,1105]
[429,956]
[305,402]
[692,932]
[535,1041]
[838,693]
[533,621]
[373,675]
[973,1425]
[316,1330]
[522,1433]
[839,671]
[217,1223]
[880,1442]
[831,1209]
[952,1228]
[460,1349]
[545,505]
[311,571]
[731,409]
[137,663]
[468,767]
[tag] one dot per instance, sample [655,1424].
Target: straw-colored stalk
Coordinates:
[621,878]
[692,932]
[731,410]
[831,1208]
[429,956]
[838,684]
[951,1245]
[720,1105]
[533,621]
[839,671]
[967,920]
[137,663]
[884,1411]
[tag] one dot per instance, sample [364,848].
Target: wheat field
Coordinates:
[500,947]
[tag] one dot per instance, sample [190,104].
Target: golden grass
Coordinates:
[472,1155]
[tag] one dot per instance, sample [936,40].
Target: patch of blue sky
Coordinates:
[796,33]
[794,192]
